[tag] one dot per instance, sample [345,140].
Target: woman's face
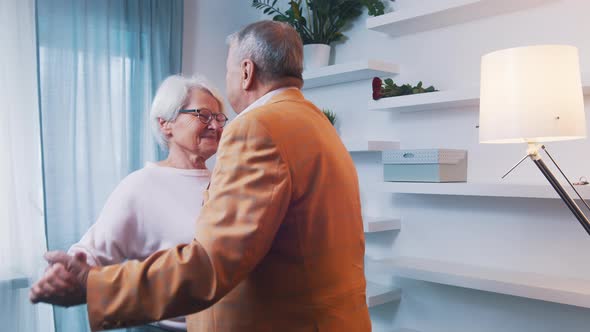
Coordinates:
[188,133]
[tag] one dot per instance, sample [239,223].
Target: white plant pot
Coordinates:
[315,55]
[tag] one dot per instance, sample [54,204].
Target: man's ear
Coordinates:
[248,71]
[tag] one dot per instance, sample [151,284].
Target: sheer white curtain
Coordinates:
[100,63]
[22,235]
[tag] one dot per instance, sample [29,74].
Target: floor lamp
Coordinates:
[534,95]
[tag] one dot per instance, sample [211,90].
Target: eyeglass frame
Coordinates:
[197,113]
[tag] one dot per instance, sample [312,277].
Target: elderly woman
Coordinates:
[155,207]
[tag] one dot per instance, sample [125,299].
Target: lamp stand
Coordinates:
[533,153]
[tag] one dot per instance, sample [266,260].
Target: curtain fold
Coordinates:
[22,235]
[100,63]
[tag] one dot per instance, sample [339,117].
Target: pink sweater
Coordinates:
[151,209]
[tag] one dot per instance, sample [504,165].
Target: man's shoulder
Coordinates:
[279,109]
[283,116]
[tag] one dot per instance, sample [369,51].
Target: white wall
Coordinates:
[536,235]
[519,234]
[207,23]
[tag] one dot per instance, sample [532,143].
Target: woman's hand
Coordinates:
[64,281]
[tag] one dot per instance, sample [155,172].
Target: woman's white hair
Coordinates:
[171,96]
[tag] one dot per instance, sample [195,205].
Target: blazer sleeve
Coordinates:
[248,198]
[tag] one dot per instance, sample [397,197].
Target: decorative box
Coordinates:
[425,165]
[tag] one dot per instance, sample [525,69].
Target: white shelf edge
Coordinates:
[447,99]
[478,189]
[379,294]
[436,15]
[377,224]
[378,329]
[371,145]
[348,72]
[563,290]
[458,98]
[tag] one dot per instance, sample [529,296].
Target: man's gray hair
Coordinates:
[172,95]
[275,48]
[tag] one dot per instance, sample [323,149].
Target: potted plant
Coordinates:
[387,88]
[319,22]
[330,115]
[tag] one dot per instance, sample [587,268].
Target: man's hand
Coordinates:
[64,282]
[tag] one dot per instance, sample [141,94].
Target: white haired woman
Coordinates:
[155,207]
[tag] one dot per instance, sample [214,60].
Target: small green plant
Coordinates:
[330,115]
[387,88]
[319,21]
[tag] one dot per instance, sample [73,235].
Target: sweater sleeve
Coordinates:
[116,231]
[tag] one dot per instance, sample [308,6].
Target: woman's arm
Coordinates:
[116,231]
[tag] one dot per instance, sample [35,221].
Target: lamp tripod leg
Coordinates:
[571,204]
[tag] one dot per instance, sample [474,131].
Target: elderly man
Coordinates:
[279,243]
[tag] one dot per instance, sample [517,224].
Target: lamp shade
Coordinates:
[531,94]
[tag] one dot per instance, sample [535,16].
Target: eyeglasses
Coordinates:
[206,116]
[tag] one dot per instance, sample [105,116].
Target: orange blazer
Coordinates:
[279,244]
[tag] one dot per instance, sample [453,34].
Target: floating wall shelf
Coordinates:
[448,99]
[348,72]
[479,189]
[373,224]
[377,329]
[379,294]
[459,98]
[564,290]
[371,146]
[437,14]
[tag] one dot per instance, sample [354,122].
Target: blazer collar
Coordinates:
[288,94]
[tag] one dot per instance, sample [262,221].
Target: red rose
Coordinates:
[377,88]
[376,84]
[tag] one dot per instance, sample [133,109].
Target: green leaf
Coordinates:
[319,21]
[296,10]
[280,18]
[390,89]
[375,7]
[330,115]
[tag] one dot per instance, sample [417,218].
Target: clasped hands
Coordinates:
[64,281]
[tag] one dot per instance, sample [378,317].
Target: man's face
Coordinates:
[233,79]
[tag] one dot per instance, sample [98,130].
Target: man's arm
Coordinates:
[248,199]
